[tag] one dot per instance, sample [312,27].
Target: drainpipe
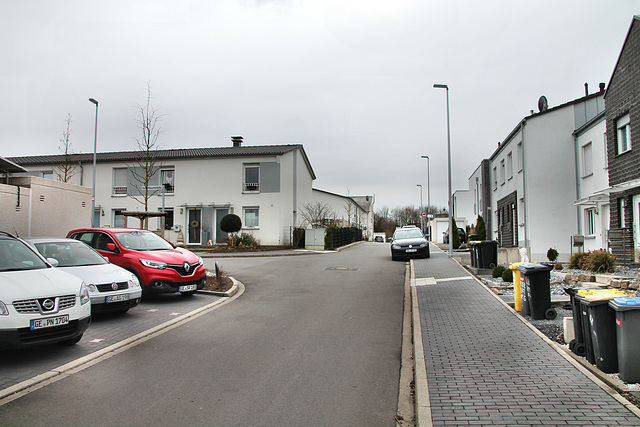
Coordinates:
[578,180]
[524,185]
[295,188]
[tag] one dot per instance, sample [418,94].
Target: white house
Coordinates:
[592,181]
[266,186]
[533,178]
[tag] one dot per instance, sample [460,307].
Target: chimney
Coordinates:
[586,89]
[237,141]
[602,86]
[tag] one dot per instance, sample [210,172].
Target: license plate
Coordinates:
[49,322]
[411,250]
[117,298]
[187,288]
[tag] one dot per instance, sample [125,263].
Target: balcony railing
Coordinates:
[251,186]
[120,190]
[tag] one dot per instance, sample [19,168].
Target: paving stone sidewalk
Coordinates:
[485,367]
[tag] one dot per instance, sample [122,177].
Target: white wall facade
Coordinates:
[463,207]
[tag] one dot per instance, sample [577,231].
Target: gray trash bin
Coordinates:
[627,311]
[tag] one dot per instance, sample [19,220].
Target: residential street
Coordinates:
[314,340]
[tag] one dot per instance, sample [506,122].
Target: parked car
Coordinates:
[39,304]
[409,242]
[461,233]
[159,266]
[111,288]
[378,239]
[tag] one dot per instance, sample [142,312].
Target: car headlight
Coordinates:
[3,309]
[394,246]
[153,264]
[84,294]
[424,245]
[134,282]
[200,262]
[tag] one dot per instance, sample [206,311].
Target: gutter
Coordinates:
[524,184]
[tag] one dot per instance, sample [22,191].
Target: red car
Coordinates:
[159,265]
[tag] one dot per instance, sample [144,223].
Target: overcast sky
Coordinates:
[351,80]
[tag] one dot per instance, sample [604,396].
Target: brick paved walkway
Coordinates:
[485,367]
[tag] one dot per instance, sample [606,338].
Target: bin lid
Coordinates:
[600,294]
[625,303]
[515,265]
[474,242]
[531,268]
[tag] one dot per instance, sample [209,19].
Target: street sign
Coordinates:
[423,214]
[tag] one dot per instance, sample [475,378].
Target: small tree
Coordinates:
[231,223]
[481,230]
[67,169]
[454,237]
[316,214]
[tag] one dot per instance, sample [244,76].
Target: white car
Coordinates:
[39,304]
[111,288]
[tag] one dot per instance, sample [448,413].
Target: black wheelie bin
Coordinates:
[538,291]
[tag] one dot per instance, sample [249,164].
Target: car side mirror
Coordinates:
[111,247]
[53,261]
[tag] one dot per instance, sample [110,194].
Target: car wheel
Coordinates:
[72,341]
[428,255]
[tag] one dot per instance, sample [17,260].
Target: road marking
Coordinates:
[423,281]
[452,279]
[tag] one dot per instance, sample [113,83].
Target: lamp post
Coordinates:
[93,186]
[421,208]
[451,230]
[428,197]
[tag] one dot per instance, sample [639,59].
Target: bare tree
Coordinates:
[317,213]
[148,163]
[67,169]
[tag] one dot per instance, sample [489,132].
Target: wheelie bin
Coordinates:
[598,326]
[474,246]
[517,288]
[627,311]
[488,254]
[577,345]
[537,290]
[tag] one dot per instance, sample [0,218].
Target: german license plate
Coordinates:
[49,322]
[411,250]
[188,288]
[117,298]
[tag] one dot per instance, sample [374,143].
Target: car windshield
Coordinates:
[16,256]
[142,241]
[408,234]
[70,254]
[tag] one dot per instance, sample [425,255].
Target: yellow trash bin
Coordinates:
[517,297]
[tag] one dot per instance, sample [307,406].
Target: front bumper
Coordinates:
[25,337]
[162,286]
[410,252]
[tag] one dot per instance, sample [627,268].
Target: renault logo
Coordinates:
[186,266]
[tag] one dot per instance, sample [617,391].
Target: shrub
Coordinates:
[481,230]
[230,223]
[498,270]
[557,266]
[552,254]
[454,237]
[507,275]
[247,240]
[600,261]
[577,260]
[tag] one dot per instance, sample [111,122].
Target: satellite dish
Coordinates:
[543,104]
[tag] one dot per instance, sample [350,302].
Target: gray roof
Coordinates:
[170,154]
[8,166]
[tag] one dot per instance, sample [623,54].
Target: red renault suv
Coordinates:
[159,265]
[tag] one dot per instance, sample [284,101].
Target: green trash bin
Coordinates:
[627,310]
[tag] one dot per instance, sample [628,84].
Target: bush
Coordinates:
[246,240]
[577,260]
[557,266]
[481,230]
[507,275]
[454,237]
[498,270]
[600,261]
[230,223]
[552,254]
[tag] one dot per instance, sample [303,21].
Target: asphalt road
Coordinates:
[314,340]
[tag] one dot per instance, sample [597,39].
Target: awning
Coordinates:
[629,185]
[7,166]
[598,198]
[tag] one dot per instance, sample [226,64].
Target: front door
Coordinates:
[636,227]
[221,236]
[194,224]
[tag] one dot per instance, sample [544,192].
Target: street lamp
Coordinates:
[421,208]
[93,187]
[428,197]
[451,230]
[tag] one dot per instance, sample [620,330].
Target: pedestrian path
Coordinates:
[486,367]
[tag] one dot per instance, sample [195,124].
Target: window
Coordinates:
[623,126]
[520,154]
[251,217]
[168,220]
[502,173]
[509,165]
[118,218]
[166,179]
[251,178]
[119,182]
[589,222]
[587,160]
[606,153]
[47,175]
[495,179]
[623,205]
